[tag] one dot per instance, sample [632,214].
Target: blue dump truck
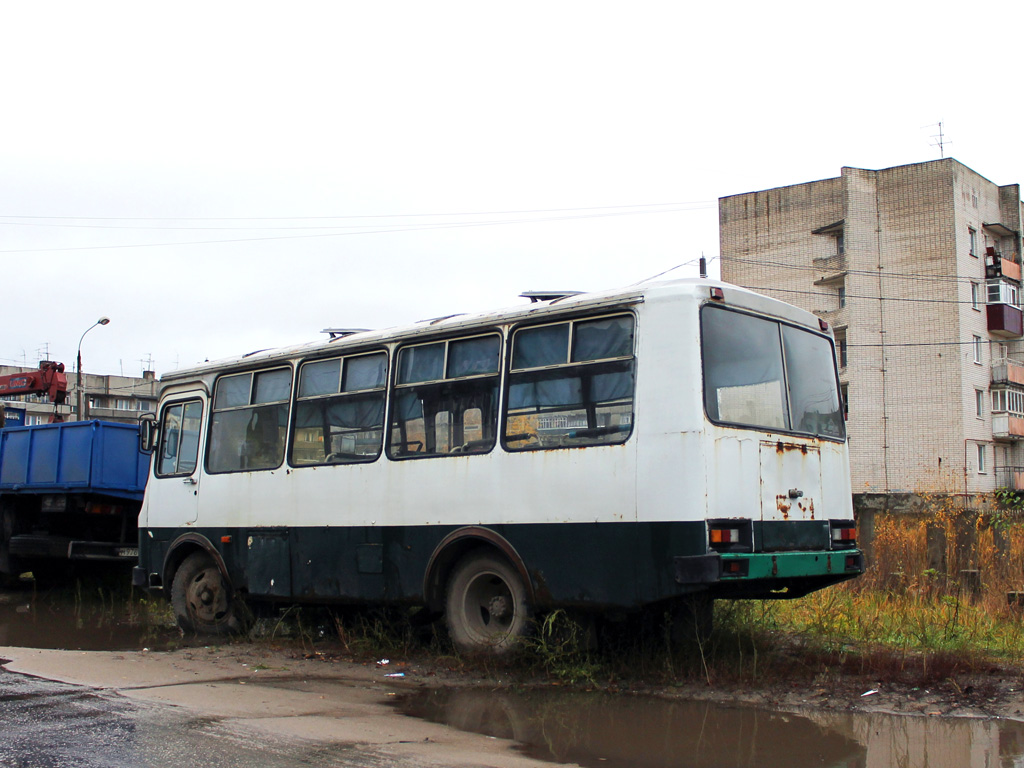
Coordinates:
[69,492]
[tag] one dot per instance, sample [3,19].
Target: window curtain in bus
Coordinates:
[602,339]
[538,347]
[473,357]
[273,387]
[425,363]
[366,372]
[320,378]
[568,391]
[348,413]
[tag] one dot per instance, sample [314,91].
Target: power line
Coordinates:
[872,273]
[767,288]
[389,230]
[699,203]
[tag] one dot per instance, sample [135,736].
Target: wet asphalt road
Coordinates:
[45,724]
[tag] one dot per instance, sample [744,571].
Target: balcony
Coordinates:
[996,266]
[1005,321]
[1007,427]
[1011,478]
[830,267]
[1007,371]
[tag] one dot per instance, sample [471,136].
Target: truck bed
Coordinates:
[99,457]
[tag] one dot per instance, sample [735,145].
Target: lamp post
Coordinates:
[80,396]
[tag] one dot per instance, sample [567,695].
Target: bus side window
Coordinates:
[445,400]
[179,439]
[339,414]
[250,418]
[571,384]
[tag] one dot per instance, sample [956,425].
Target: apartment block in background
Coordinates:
[917,269]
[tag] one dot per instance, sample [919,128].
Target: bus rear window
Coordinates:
[764,374]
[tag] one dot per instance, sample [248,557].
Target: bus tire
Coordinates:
[202,598]
[485,605]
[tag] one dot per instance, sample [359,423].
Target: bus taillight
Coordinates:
[730,535]
[725,536]
[844,534]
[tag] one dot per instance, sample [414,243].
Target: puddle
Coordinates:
[67,620]
[604,731]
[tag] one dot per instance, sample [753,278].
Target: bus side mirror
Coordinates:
[147,433]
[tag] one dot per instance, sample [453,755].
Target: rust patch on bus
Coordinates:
[781,447]
[782,502]
[808,509]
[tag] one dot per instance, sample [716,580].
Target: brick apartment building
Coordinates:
[918,270]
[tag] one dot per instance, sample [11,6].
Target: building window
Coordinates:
[840,243]
[979,403]
[972,236]
[976,343]
[976,296]
[841,348]
[982,468]
[845,390]
[841,290]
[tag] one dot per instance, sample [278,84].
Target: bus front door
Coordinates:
[173,494]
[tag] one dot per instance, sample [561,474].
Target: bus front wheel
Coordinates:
[485,605]
[202,599]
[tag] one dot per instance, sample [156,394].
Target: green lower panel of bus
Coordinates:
[587,565]
[785,565]
[768,574]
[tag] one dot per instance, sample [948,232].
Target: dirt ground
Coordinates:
[280,694]
[296,694]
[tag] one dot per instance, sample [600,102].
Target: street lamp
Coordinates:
[78,387]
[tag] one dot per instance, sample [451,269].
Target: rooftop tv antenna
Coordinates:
[940,140]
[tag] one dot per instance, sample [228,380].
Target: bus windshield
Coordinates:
[764,374]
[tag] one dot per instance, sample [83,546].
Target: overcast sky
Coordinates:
[223,177]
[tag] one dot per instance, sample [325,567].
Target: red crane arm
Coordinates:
[48,380]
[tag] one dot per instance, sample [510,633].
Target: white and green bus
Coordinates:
[667,444]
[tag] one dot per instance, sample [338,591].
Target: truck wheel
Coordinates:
[202,598]
[485,606]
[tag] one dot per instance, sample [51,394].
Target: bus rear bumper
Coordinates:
[714,568]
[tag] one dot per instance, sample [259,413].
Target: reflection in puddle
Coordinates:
[594,729]
[68,621]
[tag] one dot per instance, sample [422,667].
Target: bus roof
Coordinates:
[558,304]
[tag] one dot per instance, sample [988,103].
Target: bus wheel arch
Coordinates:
[201,594]
[481,583]
[456,546]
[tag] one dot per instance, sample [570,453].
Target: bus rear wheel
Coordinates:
[202,598]
[485,605]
